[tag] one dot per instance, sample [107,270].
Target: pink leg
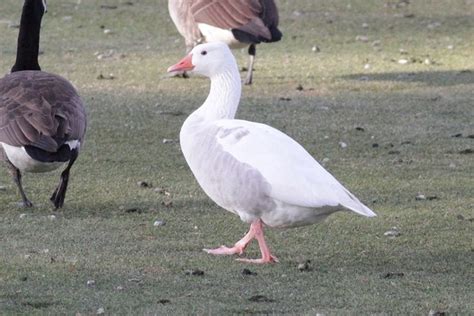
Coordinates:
[267,257]
[256,231]
[238,248]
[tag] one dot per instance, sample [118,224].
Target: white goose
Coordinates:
[252,169]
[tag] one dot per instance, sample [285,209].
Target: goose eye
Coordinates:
[204,52]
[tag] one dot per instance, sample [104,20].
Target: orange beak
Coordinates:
[184,64]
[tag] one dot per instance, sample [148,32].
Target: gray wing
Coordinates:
[255,17]
[39,109]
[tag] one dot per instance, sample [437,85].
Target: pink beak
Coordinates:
[184,64]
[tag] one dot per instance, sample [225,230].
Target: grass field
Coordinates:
[392,80]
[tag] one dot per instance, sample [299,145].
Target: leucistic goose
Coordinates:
[252,169]
[42,118]
[236,23]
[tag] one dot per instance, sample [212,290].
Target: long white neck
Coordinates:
[224,96]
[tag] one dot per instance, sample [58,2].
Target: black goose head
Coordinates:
[29,35]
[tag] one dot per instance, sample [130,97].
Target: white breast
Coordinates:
[21,160]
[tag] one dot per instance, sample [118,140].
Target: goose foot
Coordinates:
[255,232]
[225,251]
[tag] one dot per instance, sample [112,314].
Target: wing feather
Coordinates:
[226,14]
[39,109]
[294,175]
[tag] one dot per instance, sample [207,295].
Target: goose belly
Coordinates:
[285,215]
[216,34]
[24,162]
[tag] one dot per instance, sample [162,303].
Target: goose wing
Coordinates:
[250,16]
[294,175]
[39,109]
[180,13]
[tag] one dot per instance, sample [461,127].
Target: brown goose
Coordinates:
[42,118]
[237,23]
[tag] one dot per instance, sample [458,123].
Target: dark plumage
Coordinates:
[42,117]
[249,22]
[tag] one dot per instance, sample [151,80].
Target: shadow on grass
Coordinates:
[431,78]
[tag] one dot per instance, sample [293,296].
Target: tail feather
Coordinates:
[358,207]
[362,210]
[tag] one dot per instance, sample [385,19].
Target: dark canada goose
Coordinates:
[237,23]
[42,118]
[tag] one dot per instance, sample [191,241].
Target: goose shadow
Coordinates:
[431,78]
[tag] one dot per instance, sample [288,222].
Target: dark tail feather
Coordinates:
[63,154]
[248,38]
[276,34]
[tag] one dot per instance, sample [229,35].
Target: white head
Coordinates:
[207,59]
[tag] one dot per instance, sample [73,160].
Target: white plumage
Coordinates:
[252,169]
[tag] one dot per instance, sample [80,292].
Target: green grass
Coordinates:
[411,111]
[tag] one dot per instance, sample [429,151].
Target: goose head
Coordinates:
[207,59]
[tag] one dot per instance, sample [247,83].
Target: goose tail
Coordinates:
[358,207]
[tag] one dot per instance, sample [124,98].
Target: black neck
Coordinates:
[28,38]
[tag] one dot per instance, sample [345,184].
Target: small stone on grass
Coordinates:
[392,275]
[466,151]
[106,77]
[248,272]
[362,38]
[90,283]
[169,141]
[133,210]
[420,197]
[194,272]
[144,184]
[159,223]
[260,299]
[164,301]
[392,233]
[304,266]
